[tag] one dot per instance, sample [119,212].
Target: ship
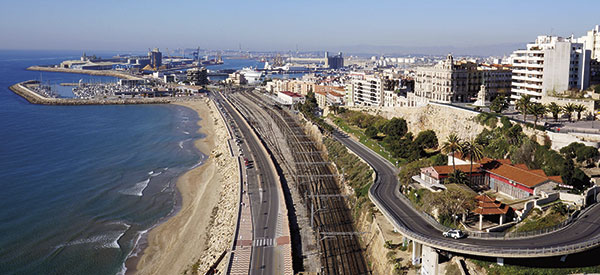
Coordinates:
[251,75]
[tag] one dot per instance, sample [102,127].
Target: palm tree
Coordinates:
[568,110]
[522,104]
[554,109]
[579,108]
[452,145]
[457,177]
[537,110]
[474,152]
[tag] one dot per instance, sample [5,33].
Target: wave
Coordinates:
[186,132]
[137,189]
[197,164]
[134,251]
[154,174]
[181,144]
[108,240]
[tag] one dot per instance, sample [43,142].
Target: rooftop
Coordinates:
[288,93]
[487,205]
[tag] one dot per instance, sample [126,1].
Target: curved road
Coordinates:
[581,235]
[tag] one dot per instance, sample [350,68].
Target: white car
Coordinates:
[454,233]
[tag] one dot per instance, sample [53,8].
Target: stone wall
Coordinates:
[442,119]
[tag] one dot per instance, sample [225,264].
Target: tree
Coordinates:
[396,127]
[570,151]
[452,202]
[499,104]
[452,145]
[579,108]
[371,132]
[457,177]
[568,110]
[537,110]
[586,154]
[522,104]
[427,139]
[554,109]
[474,152]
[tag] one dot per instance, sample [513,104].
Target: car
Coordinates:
[454,233]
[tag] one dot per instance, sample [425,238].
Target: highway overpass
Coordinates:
[581,235]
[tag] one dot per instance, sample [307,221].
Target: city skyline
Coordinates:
[434,27]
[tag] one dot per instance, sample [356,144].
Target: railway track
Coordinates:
[316,180]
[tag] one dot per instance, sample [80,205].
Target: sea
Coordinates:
[81,185]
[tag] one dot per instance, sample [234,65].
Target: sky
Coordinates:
[418,26]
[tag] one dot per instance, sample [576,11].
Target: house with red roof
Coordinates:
[500,175]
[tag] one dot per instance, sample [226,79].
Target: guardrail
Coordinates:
[479,250]
[490,251]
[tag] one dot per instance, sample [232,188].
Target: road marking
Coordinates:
[268,242]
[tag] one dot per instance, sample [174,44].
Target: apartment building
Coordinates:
[450,81]
[591,42]
[550,65]
[367,92]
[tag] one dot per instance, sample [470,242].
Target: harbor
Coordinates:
[36,94]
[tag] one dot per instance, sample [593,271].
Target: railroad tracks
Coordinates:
[316,180]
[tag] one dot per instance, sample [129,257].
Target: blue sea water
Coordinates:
[80,184]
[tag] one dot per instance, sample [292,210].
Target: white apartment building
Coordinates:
[549,65]
[591,42]
[367,92]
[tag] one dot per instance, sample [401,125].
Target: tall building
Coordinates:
[591,42]
[155,58]
[367,92]
[550,65]
[197,76]
[450,81]
[334,62]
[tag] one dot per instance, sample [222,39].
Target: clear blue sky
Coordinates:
[281,25]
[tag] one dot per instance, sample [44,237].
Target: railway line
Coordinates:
[314,178]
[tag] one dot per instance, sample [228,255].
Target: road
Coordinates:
[262,185]
[404,215]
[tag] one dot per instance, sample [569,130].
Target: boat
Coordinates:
[251,75]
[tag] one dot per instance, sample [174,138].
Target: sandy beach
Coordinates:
[191,241]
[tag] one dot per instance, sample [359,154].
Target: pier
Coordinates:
[22,90]
[112,73]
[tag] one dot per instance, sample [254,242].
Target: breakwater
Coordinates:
[89,72]
[35,98]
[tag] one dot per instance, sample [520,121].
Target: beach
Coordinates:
[192,240]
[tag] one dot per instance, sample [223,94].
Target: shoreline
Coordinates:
[202,228]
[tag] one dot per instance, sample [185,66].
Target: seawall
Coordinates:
[34,98]
[89,72]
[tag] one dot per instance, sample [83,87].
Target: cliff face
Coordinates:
[442,119]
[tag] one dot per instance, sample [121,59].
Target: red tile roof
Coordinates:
[291,94]
[518,173]
[448,169]
[486,205]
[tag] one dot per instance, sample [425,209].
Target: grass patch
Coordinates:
[536,220]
